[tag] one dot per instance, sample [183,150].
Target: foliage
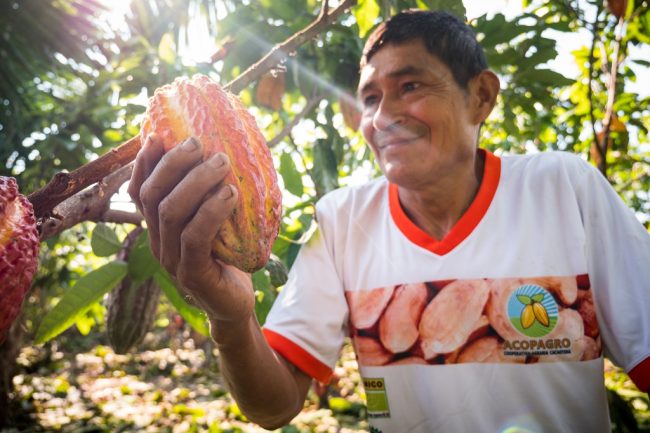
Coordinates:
[76,87]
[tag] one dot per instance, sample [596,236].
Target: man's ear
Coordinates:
[483,89]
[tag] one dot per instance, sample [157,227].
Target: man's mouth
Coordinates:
[401,140]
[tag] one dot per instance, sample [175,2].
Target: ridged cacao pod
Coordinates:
[18,251]
[278,272]
[200,108]
[131,312]
[269,91]
[131,307]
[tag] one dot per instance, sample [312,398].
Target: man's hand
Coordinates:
[184,201]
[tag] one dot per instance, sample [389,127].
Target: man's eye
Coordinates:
[411,85]
[369,100]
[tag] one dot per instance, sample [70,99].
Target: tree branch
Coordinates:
[88,205]
[590,91]
[603,144]
[311,103]
[122,217]
[64,185]
[279,52]
[613,76]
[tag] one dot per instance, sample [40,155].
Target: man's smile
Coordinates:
[384,140]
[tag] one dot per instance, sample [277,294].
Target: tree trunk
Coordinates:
[8,353]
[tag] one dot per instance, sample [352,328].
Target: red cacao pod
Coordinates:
[18,251]
[617,7]
[199,107]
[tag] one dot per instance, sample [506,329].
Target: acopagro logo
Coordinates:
[532,310]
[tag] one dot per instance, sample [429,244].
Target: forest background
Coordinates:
[75,76]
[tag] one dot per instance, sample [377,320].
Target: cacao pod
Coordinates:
[617,7]
[131,307]
[270,89]
[131,312]
[278,272]
[199,107]
[351,112]
[18,251]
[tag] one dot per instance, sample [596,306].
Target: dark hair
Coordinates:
[444,35]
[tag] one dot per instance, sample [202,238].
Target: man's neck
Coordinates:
[438,206]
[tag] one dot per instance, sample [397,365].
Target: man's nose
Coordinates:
[389,114]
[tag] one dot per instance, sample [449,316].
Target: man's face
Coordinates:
[415,117]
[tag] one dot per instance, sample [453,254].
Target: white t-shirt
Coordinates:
[500,325]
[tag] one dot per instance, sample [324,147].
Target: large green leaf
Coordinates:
[366,12]
[290,175]
[325,171]
[88,290]
[547,77]
[142,264]
[104,241]
[455,7]
[264,294]
[192,315]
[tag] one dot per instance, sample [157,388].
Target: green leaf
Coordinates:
[547,77]
[642,62]
[104,241]
[290,175]
[325,172]
[142,264]
[192,315]
[264,294]
[538,297]
[524,299]
[366,13]
[454,7]
[88,290]
[167,48]
[339,404]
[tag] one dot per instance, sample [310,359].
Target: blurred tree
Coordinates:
[75,77]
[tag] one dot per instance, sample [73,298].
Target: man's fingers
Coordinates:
[196,239]
[182,203]
[145,162]
[170,169]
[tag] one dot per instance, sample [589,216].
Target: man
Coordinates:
[479,291]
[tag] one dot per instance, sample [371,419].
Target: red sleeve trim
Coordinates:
[298,356]
[464,226]
[640,375]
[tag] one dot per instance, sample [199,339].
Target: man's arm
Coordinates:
[268,389]
[618,254]
[184,201]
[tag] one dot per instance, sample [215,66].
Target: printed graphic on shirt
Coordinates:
[509,320]
[532,310]
[376,399]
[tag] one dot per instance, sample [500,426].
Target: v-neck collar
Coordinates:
[465,225]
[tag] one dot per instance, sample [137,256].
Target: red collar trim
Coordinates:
[464,226]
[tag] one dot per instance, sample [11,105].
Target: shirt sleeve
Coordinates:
[308,321]
[618,259]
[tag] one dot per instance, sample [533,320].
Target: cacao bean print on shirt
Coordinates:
[507,320]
